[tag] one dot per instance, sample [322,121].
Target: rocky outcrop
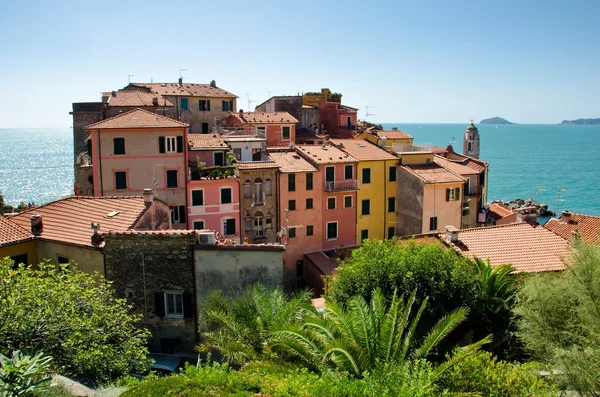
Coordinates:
[520,204]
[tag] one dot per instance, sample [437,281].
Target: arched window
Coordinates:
[258,192]
[259,226]
[247,189]
[268,190]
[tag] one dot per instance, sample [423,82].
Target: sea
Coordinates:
[558,165]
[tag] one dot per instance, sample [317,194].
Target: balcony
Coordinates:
[473,191]
[240,132]
[216,172]
[341,186]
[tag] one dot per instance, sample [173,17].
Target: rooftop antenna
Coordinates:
[452,141]
[180,72]
[270,92]
[250,102]
[129,76]
[367,114]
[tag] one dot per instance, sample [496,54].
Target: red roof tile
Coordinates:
[69,220]
[432,173]
[586,226]
[391,134]
[253,165]
[137,118]
[322,262]
[528,248]
[363,150]
[186,89]
[264,117]
[130,98]
[458,167]
[291,162]
[326,154]
[11,233]
[500,210]
[206,141]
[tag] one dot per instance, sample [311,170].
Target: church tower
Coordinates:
[471,141]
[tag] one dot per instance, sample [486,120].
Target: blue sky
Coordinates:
[414,61]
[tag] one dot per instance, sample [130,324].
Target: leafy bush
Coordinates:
[72,316]
[484,375]
[559,320]
[22,374]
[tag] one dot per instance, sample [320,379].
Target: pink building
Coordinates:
[279,128]
[339,186]
[300,212]
[213,188]
[137,150]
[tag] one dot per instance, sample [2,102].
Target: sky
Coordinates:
[410,61]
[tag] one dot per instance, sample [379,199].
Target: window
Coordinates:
[204,128]
[227,106]
[300,268]
[237,153]
[285,132]
[364,235]
[62,260]
[256,155]
[258,225]
[119,145]
[268,223]
[310,230]
[347,201]
[309,204]
[184,104]
[391,231]
[226,195]
[366,175]
[391,204]
[258,192]
[291,183]
[172,178]
[470,149]
[465,211]
[292,232]
[18,259]
[261,132]
[229,227]
[482,178]
[199,225]
[170,144]
[348,172]
[177,213]
[309,181]
[453,194]
[292,205]
[248,222]
[433,223]
[466,187]
[329,174]
[173,304]
[219,159]
[392,174]
[120,180]
[197,197]
[268,188]
[331,203]
[204,105]
[366,207]
[247,189]
[332,230]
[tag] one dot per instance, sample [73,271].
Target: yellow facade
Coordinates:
[25,248]
[416,158]
[379,221]
[196,117]
[390,142]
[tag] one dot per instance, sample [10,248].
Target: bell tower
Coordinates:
[471,141]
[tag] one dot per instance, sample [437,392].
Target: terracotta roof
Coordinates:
[587,226]
[303,133]
[69,220]
[11,233]
[500,210]
[327,154]
[458,167]
[186,89]
[264,118]
[432,173]
[132,98]
[392,134]
[476,164]
[206,141]
[291,162]
[347,109]
[438,150]
[253,165]
[363,150]
[528,248]
[322,262]
[169,232]
[137,118]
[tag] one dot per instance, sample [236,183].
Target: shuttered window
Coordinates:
[120,180]
[119,145]
[197,197]
[172,178]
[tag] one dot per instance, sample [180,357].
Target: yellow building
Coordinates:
[376,198]
[431,197]
[393,139]
[16,243]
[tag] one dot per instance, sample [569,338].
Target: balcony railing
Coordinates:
[341,186]
[232,132]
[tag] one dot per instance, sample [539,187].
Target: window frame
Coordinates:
[289,132]
[121,139]
[292,232]
[309,181]
[225,224]
[391,208]
[362,207]
[310,230]
[351,201]
[167,185]
[327,230]
[433,221]
[202,197]
[221,189]
[292,203]
[312,204]
[334,203]
[392,171]
[170,144]
[174,293]
[364,234]
[126,176]
[291,182]
[187,104]
[346,168]
[366,176]
[333,173]
[198,221]
[391,229]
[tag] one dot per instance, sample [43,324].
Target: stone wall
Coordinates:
[84,180]
[142,266]
[84,114]
[410,204]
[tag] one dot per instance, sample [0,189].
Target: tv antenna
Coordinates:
[452,141]
[367,114]
[180,72]
[559,190]
[250,102]
[129,76]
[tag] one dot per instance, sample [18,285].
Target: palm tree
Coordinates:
[363,336]
[499,283]
[238,327]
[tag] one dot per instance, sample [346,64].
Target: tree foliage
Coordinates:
[21,374]
[559,320]
[73,317]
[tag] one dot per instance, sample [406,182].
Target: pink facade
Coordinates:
[213,204]
[279,128]
[347,120]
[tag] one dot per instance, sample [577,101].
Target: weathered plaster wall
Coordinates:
[26,248]
[410,204]
[143,266]
[89,260]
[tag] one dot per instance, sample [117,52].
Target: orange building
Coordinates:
[279,128]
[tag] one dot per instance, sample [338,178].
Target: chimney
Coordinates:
[241,113]
[213,84]
[148,197]
[113,93]
[566,216]
[180,81]
[155,101]
[394,128]
[37,227]
[97,238]
[452,234]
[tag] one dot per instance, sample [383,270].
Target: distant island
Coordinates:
[581,122]
[495,120]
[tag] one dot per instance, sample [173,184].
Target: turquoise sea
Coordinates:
[525,161]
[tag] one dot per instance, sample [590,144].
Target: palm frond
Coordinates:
[446,325]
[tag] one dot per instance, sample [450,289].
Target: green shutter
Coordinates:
[179,144]
[119,145]
[172,178]
[447,194]
[291,183]
[197,197]
[208,105]
[457,193]
[309,181]
[161,144]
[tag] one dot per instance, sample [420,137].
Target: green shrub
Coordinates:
[484,375]
[22,374]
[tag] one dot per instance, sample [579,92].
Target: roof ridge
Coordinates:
[496,226]
[158,116]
